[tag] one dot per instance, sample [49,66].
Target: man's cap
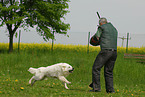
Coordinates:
[102,20]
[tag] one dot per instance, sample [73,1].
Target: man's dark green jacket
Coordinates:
[108,37]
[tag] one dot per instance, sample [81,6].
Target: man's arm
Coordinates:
[95,38]
[98,33]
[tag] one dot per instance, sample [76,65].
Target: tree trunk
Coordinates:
[11,42]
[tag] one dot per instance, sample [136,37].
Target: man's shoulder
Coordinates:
[106,25]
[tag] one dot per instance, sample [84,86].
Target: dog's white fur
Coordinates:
[59,70]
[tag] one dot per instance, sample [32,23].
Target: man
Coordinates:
[107,37]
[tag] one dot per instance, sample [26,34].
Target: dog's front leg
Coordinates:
[33,82]
[63,79]
[65,85]
[30,81]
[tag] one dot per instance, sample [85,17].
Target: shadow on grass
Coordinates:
[77,90]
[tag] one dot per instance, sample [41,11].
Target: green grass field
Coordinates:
[129,76]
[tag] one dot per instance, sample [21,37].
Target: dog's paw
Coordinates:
[66,88]
[29,82]
[65,85]
[68,82]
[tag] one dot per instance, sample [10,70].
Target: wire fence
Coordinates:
[81,38]
[135,40]
[75,38]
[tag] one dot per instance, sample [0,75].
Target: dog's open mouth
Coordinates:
[70,71]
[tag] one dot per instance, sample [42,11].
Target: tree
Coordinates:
[46,15]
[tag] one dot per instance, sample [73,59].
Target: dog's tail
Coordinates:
[32,70]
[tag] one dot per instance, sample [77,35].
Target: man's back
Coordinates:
[108,38]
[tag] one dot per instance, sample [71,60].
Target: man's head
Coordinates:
[102,21]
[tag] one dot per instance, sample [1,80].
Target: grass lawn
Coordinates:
[129,76]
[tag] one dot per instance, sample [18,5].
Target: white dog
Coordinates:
[59,70]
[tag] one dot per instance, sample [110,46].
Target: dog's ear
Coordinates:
[63,67]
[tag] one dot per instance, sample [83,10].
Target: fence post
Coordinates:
[52,42]
[127,42]
[123,41]
[88,42]
[19,40]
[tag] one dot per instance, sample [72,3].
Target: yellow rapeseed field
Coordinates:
[69,47]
